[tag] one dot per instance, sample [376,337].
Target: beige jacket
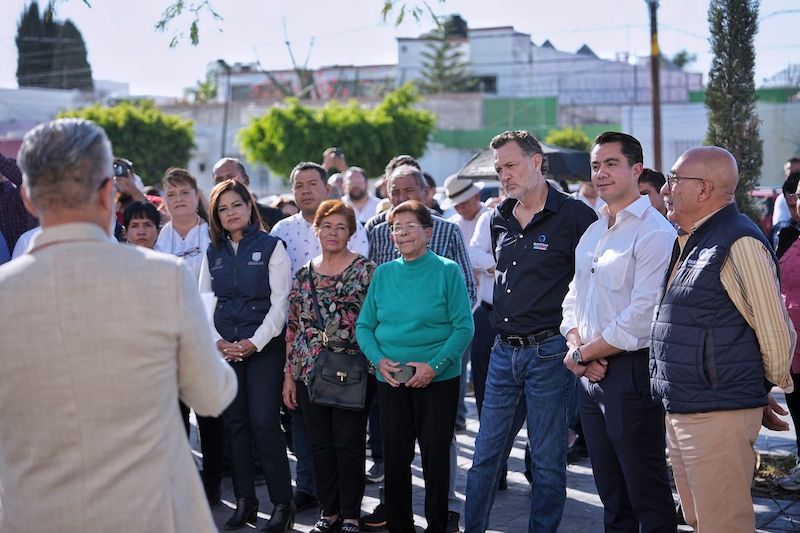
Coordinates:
[97,343]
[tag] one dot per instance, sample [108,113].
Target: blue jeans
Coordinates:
[533,380]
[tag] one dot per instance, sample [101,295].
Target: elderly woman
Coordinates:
[248,271]
[415,324]
[340,279]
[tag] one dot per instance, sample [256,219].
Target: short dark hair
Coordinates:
[215,228]
[336,207]
[308,165]
[429,180]
[790,185]
[398,161]
[653,177]
[630,147]
[529,144]
[141,210]
[418,209]
[793,160]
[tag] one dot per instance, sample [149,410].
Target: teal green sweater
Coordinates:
[417,311]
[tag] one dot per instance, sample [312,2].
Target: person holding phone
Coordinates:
[415,323]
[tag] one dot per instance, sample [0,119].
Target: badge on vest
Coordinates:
[255,259]
[703,258]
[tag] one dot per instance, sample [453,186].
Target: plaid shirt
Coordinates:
[446,241]
[14,218]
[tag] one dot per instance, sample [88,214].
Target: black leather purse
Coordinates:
[339,379]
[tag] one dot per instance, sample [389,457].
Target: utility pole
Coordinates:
[227,68]
[655,84]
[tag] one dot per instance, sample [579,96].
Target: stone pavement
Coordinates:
[583,511]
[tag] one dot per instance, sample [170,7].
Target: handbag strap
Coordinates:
[320,321]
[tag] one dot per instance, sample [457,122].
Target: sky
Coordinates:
[124,46]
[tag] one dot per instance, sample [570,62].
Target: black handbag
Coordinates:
[339,379]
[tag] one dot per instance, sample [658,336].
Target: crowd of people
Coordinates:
[643,313]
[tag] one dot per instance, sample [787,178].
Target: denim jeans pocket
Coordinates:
[554,347]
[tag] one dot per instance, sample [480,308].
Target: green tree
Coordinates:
[370,137]
[139,131]
[731,95]
[444,69]
[50,54]
[683,59]
[569,138]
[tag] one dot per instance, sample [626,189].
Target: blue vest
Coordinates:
[241,283]
[704,356]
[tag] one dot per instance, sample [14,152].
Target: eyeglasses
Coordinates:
[672,179]
[407,228]
[191,252]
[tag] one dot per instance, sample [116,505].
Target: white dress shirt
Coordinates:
[482,257]
[302,243]
[618,272]
[280,282]
[780,211]
[192,248]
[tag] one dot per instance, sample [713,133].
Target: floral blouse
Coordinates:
[340,298]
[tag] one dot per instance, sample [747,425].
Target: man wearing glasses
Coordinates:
[721,339]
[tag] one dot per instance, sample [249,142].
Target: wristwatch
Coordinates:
[577,358]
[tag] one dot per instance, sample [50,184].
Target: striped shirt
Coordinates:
[750,278]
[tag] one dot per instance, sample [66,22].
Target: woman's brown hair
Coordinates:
[218,233]
[336,207]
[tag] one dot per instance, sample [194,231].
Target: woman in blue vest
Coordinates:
[248,271]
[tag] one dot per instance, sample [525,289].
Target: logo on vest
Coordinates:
[217,264]
[703,258]
[255,259]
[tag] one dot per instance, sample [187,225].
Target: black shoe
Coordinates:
[452,522]
[349,527]
[303,501]
[324,525]
[246,513]
[375,521]
[282,518]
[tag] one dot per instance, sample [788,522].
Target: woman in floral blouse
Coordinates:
[340,278]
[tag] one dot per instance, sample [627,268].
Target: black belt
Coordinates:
[487,305]
[528,340]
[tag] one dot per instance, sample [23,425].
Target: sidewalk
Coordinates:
[583,511]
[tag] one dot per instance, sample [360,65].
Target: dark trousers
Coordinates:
[375,441]
[253,420]
[482,343]
[624,431]
[338,452]
[426,415]
[212,445]
[793,403]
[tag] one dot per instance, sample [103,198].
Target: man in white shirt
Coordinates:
[310,188]
[587,193]
[620,263]
[357,196]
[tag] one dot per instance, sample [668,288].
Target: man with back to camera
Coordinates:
[720,339]
[90,375]
[619,264]
[534,234]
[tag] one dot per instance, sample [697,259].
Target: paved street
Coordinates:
[583,509]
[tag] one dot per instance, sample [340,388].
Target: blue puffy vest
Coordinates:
[704,356]
[241,283]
